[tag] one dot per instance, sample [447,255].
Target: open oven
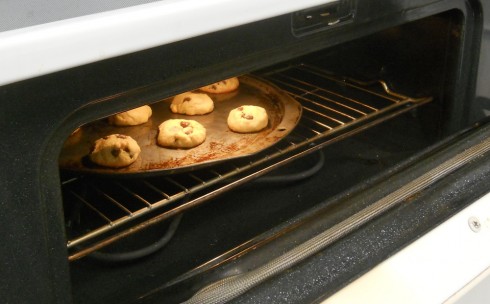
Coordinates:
[374,138]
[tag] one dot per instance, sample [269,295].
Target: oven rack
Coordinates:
[101,211]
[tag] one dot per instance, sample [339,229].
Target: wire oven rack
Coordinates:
[333,108]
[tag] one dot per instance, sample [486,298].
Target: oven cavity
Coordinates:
[333,107]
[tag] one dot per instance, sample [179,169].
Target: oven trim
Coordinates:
[46,48]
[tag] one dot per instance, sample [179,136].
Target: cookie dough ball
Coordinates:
[192,104]
[115,151]
[247,119]
[132,117]
[223,86]
[181,133]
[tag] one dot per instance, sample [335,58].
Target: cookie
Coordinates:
[132,117]
[114,151]
[223,86]
[74,137]
[181,133]
[247,119]
[192,104]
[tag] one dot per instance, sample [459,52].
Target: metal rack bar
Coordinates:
[91,207]
[357,84]
[313,92]
[136,195]
[156,189]
[112,200]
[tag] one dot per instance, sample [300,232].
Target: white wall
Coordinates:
[483,84]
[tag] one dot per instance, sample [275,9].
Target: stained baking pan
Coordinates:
[221,143]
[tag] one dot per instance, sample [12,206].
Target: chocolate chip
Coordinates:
[121,136]
[247,116]
[115,152]
[184,124]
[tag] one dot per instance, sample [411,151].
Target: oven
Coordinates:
[376,138]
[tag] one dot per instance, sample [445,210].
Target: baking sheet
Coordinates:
[221,143]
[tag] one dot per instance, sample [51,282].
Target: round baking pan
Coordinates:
[221,143]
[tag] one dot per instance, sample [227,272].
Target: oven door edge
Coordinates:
[444,266]
[392,213]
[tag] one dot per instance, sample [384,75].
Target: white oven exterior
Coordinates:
[36,40]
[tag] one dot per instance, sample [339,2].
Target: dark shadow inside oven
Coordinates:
[170,255]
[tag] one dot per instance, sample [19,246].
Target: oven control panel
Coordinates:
[322,17]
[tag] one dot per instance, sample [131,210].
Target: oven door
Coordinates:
[427,216]
[449,264]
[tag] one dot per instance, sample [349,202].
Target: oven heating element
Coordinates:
[333,108]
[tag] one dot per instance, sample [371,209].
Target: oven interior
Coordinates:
[138,239]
